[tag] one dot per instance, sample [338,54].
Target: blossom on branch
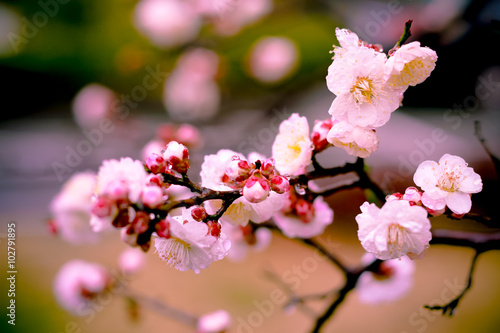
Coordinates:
[292,147]
[71,209]
[392,280]
[395,230]
[78,283]
[190,245]
[410,65]
[356,141]
[450,182]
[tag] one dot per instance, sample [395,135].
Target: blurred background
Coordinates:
[82,81]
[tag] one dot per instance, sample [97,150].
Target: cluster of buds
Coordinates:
[414,197]
[319,134]
[174,157]
[199,214]
[298,206]
[255,180]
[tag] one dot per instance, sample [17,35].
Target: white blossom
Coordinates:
[292,147]
[356,141]
[450,182]
[410,65]
[395,230]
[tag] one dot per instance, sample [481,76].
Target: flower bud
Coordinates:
[155,163]
[256,188]
[140,222]
[394,196]
[156,180]
[214,228]
[199,214]
[122,219]
[280,184]
[413,195]
[238,170]
[305,210]
[319,134]
[177,156]
[152,196]
[102,206]
[128,235]
[162,229]
[267,167]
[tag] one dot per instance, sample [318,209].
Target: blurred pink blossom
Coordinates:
[272,59]
[91,104]
[167,23]
[243,13]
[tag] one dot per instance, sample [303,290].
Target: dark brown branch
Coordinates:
[451,306]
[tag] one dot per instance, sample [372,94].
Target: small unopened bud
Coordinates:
[267,167]
[238,170]
[214,228]
[156,180]
[319,134]
[152,196]
[140,222]
[177,156]
[102,206]
[162,229]
[128,235]
[280,184]
[256,188]
[122,219]
[412,194]
[305,210]
[394,196]
[156,163]
[199,214]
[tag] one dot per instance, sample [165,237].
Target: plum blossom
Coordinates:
[131,260]
[395,230]
[191,92]
[410,65]
[241,210]
[356,141]
[392,281]
[71,208]
[91,104]
[215,322]
[272,59]
[292,147]
[78,282]
[125,178]
[244,239]
[190,246]
[450,182]
[297,223]
[167,23]
[364,98]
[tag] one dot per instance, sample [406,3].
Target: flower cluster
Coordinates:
[369,86]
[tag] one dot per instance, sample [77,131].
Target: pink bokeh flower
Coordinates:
[215,322]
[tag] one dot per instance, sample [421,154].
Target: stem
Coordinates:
[406,34]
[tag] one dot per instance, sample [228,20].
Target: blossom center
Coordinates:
[175,252]
[363,91]
[397,236]
[450,180]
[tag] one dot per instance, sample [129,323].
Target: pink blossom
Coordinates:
[214,322]
[71,208]
[450,182]
[392,281]
[272,59]
[131,260]
[293,225]
[167,23]
[395,230]
[240,15]
[124,175]
[152,196]
[92,104]
[77,283]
